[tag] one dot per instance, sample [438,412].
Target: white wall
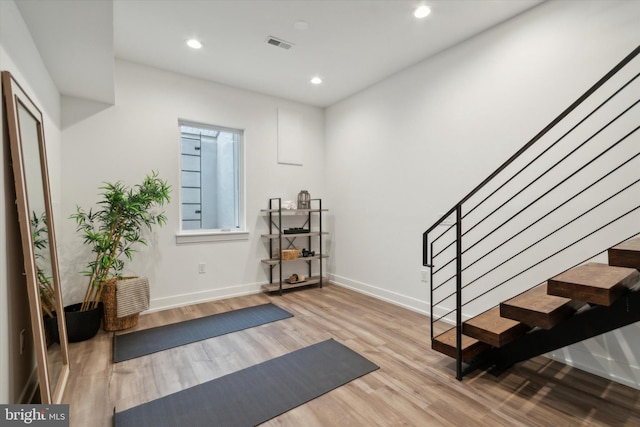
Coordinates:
[140,133]
[19,55]
[407,149]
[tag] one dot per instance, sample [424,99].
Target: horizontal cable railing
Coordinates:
[563,199]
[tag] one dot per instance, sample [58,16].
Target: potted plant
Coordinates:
[115,228]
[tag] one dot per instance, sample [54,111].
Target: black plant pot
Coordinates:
[51,330]
[81,325]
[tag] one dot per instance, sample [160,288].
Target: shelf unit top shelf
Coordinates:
[292,235]
[293,210]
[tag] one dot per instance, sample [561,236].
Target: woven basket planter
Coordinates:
[111,320]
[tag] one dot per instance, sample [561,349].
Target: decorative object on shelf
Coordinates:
[295,230]
[306,253]
[304,200]
[290,254]
[116,227]
[296,278]
[288,204]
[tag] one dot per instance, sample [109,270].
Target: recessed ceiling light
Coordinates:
[316,80]
[422,11]
[194,44]
[301,25]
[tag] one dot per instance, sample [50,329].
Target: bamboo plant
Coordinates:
[115,228]
[39,232]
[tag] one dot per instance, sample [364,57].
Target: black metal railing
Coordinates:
[563,199]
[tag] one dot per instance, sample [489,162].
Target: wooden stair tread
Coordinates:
[626,254]
[445,343]
[595,283]
[491,328]
[537,308]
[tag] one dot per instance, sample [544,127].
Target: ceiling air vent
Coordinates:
[279,43]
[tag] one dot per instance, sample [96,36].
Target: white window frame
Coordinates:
[216,235]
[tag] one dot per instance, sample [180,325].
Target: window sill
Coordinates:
[202,236]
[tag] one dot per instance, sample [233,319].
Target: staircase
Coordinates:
[544,307]
[525,239]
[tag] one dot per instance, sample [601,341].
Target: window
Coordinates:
[211,193]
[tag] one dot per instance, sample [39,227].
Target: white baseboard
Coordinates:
[159,304]
[181,300]
[395,298]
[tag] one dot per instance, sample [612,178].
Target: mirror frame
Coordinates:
[14,97]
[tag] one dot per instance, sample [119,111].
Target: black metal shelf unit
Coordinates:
[280,240]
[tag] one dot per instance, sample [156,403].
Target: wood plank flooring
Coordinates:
[415,386]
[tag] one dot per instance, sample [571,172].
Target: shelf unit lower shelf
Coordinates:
[275,261]
[275,287]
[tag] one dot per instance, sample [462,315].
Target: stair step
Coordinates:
[491,328]
[626,254]
[595,283]
[446,344]
[537,308]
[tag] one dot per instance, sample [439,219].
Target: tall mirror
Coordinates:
[33,199]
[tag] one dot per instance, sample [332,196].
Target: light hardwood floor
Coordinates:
[414,386]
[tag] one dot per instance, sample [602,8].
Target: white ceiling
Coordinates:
[351,44]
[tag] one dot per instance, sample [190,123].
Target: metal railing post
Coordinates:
[459,292]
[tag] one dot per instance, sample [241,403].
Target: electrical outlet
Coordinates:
[424,275]
[202,268]
[22,342]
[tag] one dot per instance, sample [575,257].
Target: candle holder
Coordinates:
[304,200]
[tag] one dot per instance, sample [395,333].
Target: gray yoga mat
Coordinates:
[147,341]
[256,394]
